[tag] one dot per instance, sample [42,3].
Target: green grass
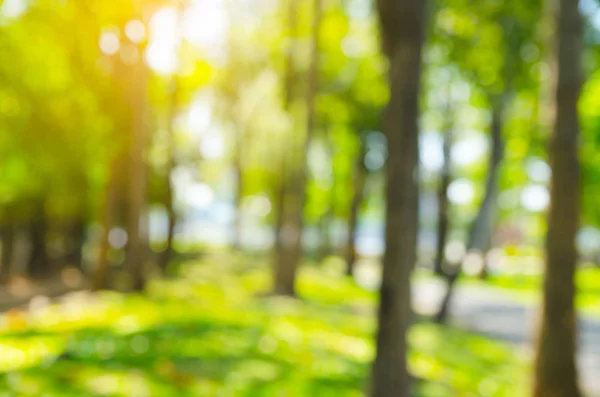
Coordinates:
[208,334]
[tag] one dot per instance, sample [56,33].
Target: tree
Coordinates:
[444,184]
[7,251]
[514,30]
[137,168]
[402,26]
[443,206]
[174,104]
[288,261]
[38,265]
[282,175]
[555,367]
[480,234]
[358,192]
[101,273]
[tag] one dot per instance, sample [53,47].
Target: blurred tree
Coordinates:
[7,236]
[173,110]
[358,192]
[102,270]
[38,265]
[285,271]
[137,181]
[139,141]
[444,184]
[402,26]
[555,367]
[279,251]
[326,220]
[495,75]
[353,92]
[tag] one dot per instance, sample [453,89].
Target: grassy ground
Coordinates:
[208,334]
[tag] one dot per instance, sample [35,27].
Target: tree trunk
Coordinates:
[282,186]
[76,241]
[170,193]
[239,189]
[108,219]
[8,249]
[285,271]
[360,176]
[555,366]
[167,255]
[172,115]
[480,235]
[325,223]
[443,206]
[481,230]
[325,245]
[137,181]
[402,24]
[39,264]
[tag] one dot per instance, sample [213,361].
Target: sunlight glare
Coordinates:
[117,237]
[199,116]
[469,150]
[212,146]
[455,251]
[359,9]
[535,198]
[588,240]
[161,54]
[13,8]
[205,23]
[258,205]
[135,31]
[538,170]
[461,192]
[198,195]
[109,43]
[431,151]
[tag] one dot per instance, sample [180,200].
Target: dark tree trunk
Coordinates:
[167,255]
[39,264]
[443,206]
[402,24]
[76,241]
[285,271]
[8,249]
[101,274]
[555,366]
[481,230]
[282,185]
[137,182]
[360,176]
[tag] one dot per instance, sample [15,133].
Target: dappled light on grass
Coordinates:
[213,334]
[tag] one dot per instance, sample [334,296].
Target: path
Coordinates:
[494,313]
